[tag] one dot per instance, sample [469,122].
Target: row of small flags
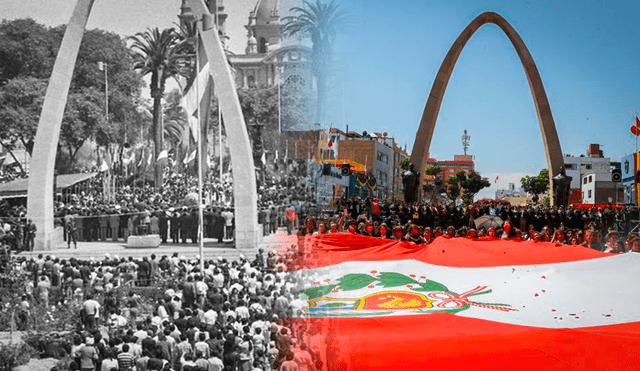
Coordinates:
[164,155]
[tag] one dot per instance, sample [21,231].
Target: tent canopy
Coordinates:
[18,187]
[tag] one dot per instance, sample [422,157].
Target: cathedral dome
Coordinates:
[265,9]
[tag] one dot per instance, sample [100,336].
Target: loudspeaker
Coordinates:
[616,175]
[345,169]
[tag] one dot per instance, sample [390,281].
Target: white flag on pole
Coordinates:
[191,157]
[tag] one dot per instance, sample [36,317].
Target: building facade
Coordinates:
[593,162]
[376,152]
[450,167]
[399,154]
[629,170]
[268,60]
[597,188]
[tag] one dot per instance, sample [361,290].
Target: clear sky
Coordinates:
[587,52]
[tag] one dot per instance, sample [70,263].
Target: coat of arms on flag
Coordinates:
[463,304]
[380,293]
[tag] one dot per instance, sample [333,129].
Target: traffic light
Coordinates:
[616,175]
[326,169]
[345,169]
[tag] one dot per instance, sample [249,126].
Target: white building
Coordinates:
[511,191]
[594,162]
[597,188]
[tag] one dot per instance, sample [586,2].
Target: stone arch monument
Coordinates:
[41,182]
[430,115]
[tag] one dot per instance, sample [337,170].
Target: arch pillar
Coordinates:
[43,159]
[248,231]
[40,189]
[550,139]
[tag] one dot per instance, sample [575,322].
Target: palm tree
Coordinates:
[321,22]
[161,54]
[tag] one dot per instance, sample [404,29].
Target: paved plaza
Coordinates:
[212,249]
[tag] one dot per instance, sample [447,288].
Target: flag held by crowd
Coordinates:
[471,304]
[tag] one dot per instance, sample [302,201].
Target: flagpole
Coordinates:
[279,113]
[220,138]
[200,213]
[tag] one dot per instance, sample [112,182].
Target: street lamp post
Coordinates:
[102,66]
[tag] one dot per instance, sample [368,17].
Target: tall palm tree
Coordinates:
[161,54]
[321,22]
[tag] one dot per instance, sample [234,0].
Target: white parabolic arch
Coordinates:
[41,182]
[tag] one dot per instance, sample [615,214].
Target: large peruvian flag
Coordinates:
[458,304]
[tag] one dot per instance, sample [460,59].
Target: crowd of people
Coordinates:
[231,315]
[609,228]
[86,214]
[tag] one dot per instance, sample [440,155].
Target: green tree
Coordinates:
[437,185]
[433,170]
[536,185]
[84,113]
[471,185]
[124,87]
[404,163]
[27,49]
[321,22]
[162,55]
[260,108]
[20,105]
[466,185]
[26,61]
[296,107]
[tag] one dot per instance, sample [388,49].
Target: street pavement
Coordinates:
[212,249]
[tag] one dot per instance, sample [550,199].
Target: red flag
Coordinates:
[380,304]
[635,129]
[637,122]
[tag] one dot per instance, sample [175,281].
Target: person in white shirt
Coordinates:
[201,290]
[242,312]
[215,363]
[210,316]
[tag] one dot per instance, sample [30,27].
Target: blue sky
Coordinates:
[587,53]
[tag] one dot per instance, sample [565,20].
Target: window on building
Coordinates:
[569,166]
[589,194]
[382,157]
[590,180]
[262,48]
[584,181]
[587,166]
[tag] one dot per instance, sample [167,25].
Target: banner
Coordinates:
[192,98]
[460,304]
